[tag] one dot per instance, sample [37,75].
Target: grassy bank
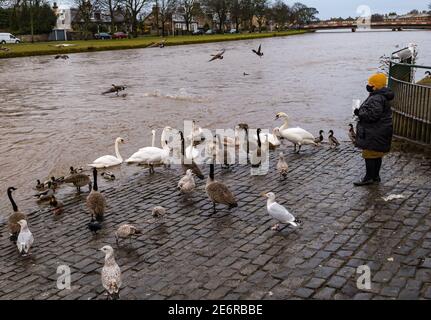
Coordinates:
[48,48]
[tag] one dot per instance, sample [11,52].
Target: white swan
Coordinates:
[297,136]
[109,161]
[191,151]
[272,138]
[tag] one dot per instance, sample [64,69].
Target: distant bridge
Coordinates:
[396,25]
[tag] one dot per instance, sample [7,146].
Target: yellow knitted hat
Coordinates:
[378,81]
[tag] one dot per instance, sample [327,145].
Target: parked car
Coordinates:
[120,35]
[231,31]
[102,36]
[8,38]
[197,32]
[210,31]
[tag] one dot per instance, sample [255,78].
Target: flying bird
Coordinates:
[111,274]
[279,212]
[217,55]
[258,52]
[25,238]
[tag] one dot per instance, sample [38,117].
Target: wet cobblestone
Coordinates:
[194,254]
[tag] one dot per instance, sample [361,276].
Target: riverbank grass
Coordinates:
[49,48]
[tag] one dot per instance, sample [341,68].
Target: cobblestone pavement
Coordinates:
[194,254]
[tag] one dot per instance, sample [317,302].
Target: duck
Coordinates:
[282,166]
[158,212]
[297,136]
[79,180]
[57,205]
[151,156]
[218,192]
[111,274]
[187,183]
[109,161]
[333,142]
[25,238]
[259,51]
[189,163]
[13,225]
[126,231]
[94,226]
[320,138]
[39,185]
[352,134]
[73,170]
[96,202]
[218,55]
[426,80]
[108,176]
[62,56]
[46,195]
[279,212]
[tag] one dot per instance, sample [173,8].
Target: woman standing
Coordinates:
[374,129]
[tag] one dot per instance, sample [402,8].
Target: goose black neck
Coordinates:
[259,143]
[182,143]
[248,142]
[9,194]
[95,179]
[211,171]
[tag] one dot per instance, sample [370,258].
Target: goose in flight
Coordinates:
[259,51]
[217,55]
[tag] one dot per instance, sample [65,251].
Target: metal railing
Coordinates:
[411,106]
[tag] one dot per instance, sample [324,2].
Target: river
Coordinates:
[52,113]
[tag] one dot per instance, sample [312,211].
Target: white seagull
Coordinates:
[25,238]
[111,274]
[279,212]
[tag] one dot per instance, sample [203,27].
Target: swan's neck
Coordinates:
[14,206]
[117,151]
[153,140]
[285,124]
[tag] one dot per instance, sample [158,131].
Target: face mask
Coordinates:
[370,88]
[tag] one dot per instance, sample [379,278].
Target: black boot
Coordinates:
[378,165]
[370,169]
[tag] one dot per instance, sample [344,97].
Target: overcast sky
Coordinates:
[345,8]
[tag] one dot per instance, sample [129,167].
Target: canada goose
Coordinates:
[62,56]
[279,212]
[333,142]
[319,139]
[187,183]
[46,195]
[25,238]
[352,134]
[258,52]
[218,55]
[190,164]
[111,274]
[297,136]
[246,144]
[256,159]
[13,226]
[282,166]
[94,226]
[108,176]
[218,192]
[96,202]
[126,231]
[78,180]
[57,205]
[109,161]
[115,89]
[158,212]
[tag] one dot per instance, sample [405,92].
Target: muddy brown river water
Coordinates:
[52,114]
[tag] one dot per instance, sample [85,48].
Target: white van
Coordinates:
[8,38]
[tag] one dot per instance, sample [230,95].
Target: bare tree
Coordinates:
[189,9]
[235,13]
[280,13]
[134,8]
[260,9]
[86,9]
[111,6]
[220,8]
[165,9]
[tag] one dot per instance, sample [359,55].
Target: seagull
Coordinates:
[282,166]
[258,52]
[111,274]
[218,55]
[94,226]
[352,133]
[333,142]
[126,231]
[25,238]
[159,212]
[187,183]
[115,89]
[279,212]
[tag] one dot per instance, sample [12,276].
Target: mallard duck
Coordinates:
[319,139]
[46,195]
[96,202]
[13,226]
[333,142]
[218,192]
[279,212]
[352,134]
